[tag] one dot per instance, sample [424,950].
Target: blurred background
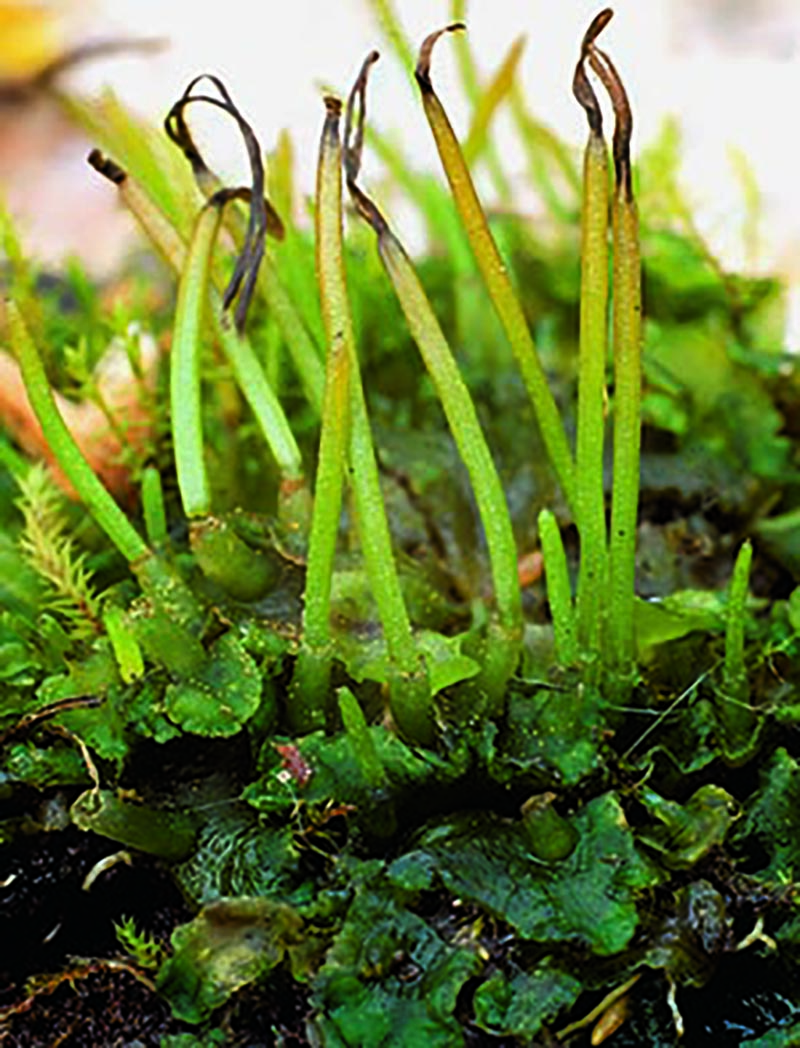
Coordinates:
[728,70]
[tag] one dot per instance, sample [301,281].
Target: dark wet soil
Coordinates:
[113,1009]
[64,980]
[82,992]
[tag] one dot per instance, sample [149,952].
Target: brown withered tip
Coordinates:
[623,116]
[581,85]
[423,70]
[263,218]
[354,142]
[585,96]
[333,114]
[596,26]
[106,167]
[354,124]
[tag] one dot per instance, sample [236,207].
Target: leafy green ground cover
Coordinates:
[384,763]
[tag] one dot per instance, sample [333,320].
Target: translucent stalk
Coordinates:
[266,407]
[172,248]
[559,594]
[592,579]
[627,318]
[627,428]
[495,276]
[735,675]
[185,396]
[311,679]
[739,721]
[155,517]
[409,693]
[456,401]
[76,469]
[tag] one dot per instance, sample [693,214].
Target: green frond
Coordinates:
[52,554]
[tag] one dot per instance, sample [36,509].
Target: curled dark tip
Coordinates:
[596,27]
[584,93]
[623,116]
[223,196]
[423,70]
[333,116]
[178,130]
[106,167]
[357,100]
[354,123]
[263,217]
[581,85]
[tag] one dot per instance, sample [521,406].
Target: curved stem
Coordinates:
[627,321]
[592,579]
[184,372]
[62,444]
[456,401]
[495,274]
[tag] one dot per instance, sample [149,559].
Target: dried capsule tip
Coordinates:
[354,124]
[333,113]
[596,26]
[623,126]
[423,70]
[586,97]
[581,85]
[263,217]
[107,167]
[354,141]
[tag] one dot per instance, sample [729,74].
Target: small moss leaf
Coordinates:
[389,978]
[231,943]
[592,899]
[517,1007]
[689,832]
[222,696]
[167,834]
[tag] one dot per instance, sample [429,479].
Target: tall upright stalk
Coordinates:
[185,393]
[738,719]
[456,401]
[266,407]
[735,675]
[559,594]
[590,508]
[495,274]
[169,594]
[311,680]
[627,309]
[409,691]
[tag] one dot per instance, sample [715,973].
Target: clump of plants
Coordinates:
[435,623]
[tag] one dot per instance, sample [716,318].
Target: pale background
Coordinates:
[728,69]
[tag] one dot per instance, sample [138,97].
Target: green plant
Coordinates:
[494,271]
[393,768]
[605,636]
[146,951]
[46,545]
[501,652]
[592,361]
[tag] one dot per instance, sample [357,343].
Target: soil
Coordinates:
[94,997]
[49,924]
